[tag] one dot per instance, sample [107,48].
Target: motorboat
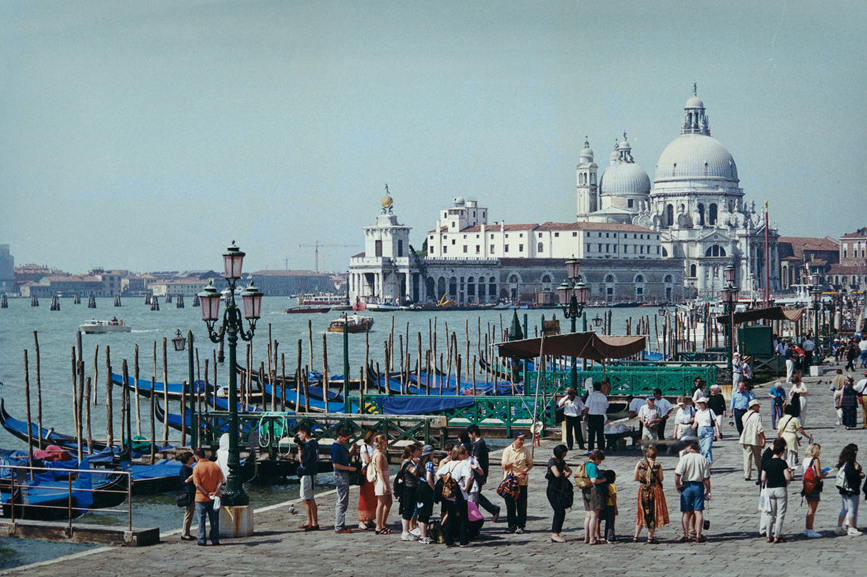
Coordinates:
[94,326]
[352,324]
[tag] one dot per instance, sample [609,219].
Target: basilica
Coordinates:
[637,241]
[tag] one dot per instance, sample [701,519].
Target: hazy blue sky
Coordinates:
[147,135]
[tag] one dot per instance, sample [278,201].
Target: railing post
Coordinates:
[129,501]
[69,506]
[12,495]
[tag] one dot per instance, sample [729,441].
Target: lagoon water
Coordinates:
[56,332]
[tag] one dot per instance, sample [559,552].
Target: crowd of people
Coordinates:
[456,478]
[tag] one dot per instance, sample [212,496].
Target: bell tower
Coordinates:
[587,190]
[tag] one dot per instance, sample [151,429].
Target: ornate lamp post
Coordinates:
[728,297]
[231,329]
[573,297]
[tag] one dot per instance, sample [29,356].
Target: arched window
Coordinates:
[639,278]
[692,270]
[669,215]
[441,288]
[715,250]
[453,287]
[471,288]
[668,278]
[540,248]
[609,278]
[399,248]
[664,252]
[700,214]
[711,215]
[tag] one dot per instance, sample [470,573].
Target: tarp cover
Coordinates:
[581,345]
[771,314]
[422,405]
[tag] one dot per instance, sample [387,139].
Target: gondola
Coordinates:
[174,389]
[19,429]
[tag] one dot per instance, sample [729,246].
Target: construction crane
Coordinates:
[316,246]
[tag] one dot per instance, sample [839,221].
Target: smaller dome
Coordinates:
[694,102]
[625,178]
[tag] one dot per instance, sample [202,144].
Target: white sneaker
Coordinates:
[407,537]
[812,534]
[425,540]
[839,531]
[853,532]
[416,532]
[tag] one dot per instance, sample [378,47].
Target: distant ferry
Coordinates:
[321,299]
[94,326]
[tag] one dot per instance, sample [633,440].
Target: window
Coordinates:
[540,248]
[630,203]
[430,250]
[576,234]
[506,248]
[556,235]
[492,249]
[715,250]
[700,214]
[609,278]
[445,249]
[520,248]
[399,248]
[465,249]
[669,216]
[639,278]
[711,215]
[453,241]
[692,270]
[478,248]
[668,278]
[378,248]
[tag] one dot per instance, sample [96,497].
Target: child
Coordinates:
[610,506]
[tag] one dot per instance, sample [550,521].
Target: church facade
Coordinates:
[637,241]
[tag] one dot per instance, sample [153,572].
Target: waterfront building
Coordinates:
[850,274]
[7,270]
[291,282]
[802,256]
[697,205]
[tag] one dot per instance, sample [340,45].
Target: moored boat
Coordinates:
[307,310]
[352,324]
[94,326]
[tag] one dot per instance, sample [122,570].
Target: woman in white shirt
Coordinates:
[708,429]
[684,420]
[798,392]
[455,507]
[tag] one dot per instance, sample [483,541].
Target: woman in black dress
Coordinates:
[558,474]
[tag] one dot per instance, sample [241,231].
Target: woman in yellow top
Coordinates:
[788,429]
[516,461]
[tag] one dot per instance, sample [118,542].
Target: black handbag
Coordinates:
[183,498]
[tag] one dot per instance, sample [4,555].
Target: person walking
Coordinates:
[813,494]
[788,430]
[716,402]
[692,481]
[684,424]
[594,496]
[708,429]
[366,496]
[481,454]
[411,473]
[737,371]
[652,508]
[208,479]
[455,507]
[848,484]
[307,471]
[597,407]
[741,398]
[382,484]
[778,394]
[186,475]
[752,440]
[342,468]
[861,388]
[789,355]
[797,398]
[516,460]
[558,473]
[809,347]
[665,410]
[776,476]
[650,417]
[573,410]
[849,401]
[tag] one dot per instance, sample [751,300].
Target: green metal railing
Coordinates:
[270,427]
[638,379]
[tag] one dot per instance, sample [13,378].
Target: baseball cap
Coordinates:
[518,434]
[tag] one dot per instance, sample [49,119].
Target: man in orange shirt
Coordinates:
[208,479]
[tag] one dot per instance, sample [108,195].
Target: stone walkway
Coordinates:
[279,548]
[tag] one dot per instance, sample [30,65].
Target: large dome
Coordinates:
[625,178]
[696,156]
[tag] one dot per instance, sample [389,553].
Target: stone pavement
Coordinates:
[279,548]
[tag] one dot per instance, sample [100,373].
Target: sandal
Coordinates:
[701,539]
[683,540]
[635,539]
[383,531]
[653,541]
[779,540]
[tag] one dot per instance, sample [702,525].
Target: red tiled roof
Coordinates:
[847,269]
[808,243]
[860,233]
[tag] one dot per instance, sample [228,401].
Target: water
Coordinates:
[56,332]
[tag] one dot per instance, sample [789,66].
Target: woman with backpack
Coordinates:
[652,508]
[812,490]
[558,474]
[848,484]
[456,477]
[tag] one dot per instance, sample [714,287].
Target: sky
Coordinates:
[149,135]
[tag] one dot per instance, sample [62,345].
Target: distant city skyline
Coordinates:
[148,136]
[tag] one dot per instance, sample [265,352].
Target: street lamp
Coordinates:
[728,297]
[573,298]
[179,341]
[231,329]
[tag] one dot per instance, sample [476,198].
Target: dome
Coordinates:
[625,178]
[694,102]
[696,156]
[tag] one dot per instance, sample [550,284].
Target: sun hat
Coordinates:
[701,400]
[427,450]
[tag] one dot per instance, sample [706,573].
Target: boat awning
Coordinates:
[771,314]
[580,345]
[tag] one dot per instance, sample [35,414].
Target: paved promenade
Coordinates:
[733,547]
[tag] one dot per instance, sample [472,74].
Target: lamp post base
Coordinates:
[236,521]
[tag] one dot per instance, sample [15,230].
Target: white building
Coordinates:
[698,206]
